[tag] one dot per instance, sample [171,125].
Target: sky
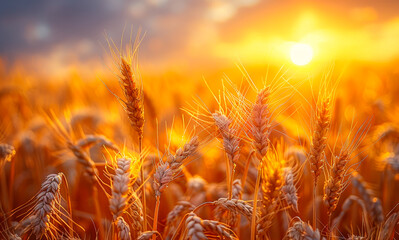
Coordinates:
[193,33]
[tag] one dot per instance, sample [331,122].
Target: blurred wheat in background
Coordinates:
[221,120]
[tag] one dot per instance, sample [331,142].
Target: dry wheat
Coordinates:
[261,126]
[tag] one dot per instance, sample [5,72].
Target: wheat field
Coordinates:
[257,152]
[271,158]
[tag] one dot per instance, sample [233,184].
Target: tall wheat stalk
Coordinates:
[321,125]
[135,110]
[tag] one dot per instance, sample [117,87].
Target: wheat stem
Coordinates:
[143,200]
[156,211]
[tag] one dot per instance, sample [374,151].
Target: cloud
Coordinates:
[184,32]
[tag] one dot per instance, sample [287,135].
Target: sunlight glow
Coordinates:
[301,54]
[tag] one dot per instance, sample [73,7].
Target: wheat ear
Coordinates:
[224,206]
[133,95]
[234,206]
[289,188]
[196,228]
[229,134]
[231,145]
[302,231]
[272,181]
[260,118]
[320,126]
[136,211]
[6,153]
[121,184]
[181,208]
[47,198]
[135,111]
[388,227]
[176,161]
[334,184]
[123,229]
[319,137]
[373,204]
[148,234]
[84,159]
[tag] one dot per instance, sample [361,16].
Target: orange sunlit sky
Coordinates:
[54,36]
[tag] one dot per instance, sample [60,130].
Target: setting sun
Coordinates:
[301,54]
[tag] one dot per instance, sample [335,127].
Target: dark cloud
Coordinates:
[37,27]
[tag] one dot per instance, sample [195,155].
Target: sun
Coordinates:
[301,53]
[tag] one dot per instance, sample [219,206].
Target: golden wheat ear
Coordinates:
[322,122]
[261,122]
[123,229]
[195,228]
[134,97]
[302,230]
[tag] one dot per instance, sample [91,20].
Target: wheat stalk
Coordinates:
[135,111]
[321,126]
[231,145]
